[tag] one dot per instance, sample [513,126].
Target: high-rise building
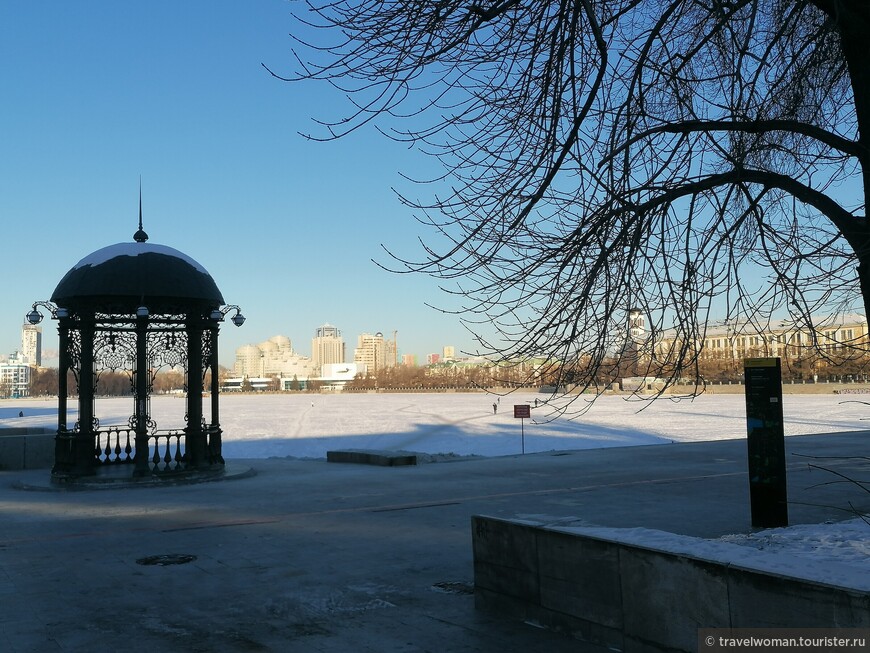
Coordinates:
[375,352]
[391,351]
[409,360]
[370,351]
[327,346]
[432,359]
[31,344]
[449,353]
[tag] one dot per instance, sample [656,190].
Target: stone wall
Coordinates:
[26,448]
[640,599]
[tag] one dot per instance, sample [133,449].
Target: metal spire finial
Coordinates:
[140,236]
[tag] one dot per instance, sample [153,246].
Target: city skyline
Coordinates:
[373,350]
[31,347]
[175,94]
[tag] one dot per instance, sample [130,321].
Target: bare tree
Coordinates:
[43,381]
[603,155]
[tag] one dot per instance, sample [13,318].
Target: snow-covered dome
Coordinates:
[122,277]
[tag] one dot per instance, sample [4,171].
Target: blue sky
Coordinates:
[96,94]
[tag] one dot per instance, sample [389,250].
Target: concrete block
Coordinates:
[507,580]
[11,452]
[766,600]
[581,576]
[635,598]
[505,558]
[39,451]
[369,457]
[502,542]
[666,598]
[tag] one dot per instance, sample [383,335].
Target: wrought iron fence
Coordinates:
[116,445]
[166,441]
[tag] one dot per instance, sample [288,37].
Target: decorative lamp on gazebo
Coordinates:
[137,308]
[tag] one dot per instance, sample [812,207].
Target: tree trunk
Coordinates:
[852,18]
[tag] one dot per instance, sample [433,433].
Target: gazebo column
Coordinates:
[195,436]
[84,444]
[63,443]
[215,456]
[141,409]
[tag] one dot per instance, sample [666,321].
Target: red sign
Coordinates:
[522,410]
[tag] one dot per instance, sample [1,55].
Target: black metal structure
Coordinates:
[137,308]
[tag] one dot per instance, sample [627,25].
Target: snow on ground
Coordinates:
[833,554]
[847,543]
[460,424]
[464,424]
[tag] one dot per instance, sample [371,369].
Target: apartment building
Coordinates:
[739,339]
[375,352]
[15,377]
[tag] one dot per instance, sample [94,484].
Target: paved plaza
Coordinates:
[317,556]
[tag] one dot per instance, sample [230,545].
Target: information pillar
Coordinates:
[766,442]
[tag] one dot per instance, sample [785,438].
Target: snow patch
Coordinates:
[134,249]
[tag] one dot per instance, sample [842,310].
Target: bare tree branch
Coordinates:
[695,160]
[844,145]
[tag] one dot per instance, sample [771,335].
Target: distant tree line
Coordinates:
[845,366]
[44,382]
[841,366]
[518,374]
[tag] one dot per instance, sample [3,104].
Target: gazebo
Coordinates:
[137,308]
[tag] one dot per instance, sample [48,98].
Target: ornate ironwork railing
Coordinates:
[166,451]
[116,445]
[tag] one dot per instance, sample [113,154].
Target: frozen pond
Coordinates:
[306,426]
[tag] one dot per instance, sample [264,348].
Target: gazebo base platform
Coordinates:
[121,476]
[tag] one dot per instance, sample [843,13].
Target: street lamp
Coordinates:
[218,314]
[35,315]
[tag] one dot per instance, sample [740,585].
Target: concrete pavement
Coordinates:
[317,556]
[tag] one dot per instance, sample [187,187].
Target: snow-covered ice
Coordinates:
[460,424]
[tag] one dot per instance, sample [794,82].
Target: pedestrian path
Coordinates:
[317,556]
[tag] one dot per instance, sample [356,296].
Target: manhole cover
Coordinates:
[165,560]
[454,588]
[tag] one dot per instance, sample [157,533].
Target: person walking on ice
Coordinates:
[494,408]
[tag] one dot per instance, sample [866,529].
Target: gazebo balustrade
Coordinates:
[115,445]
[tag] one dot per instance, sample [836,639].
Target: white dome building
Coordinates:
[273,358]
[248,361]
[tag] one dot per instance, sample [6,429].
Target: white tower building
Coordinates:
[636,325]
[31,344]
